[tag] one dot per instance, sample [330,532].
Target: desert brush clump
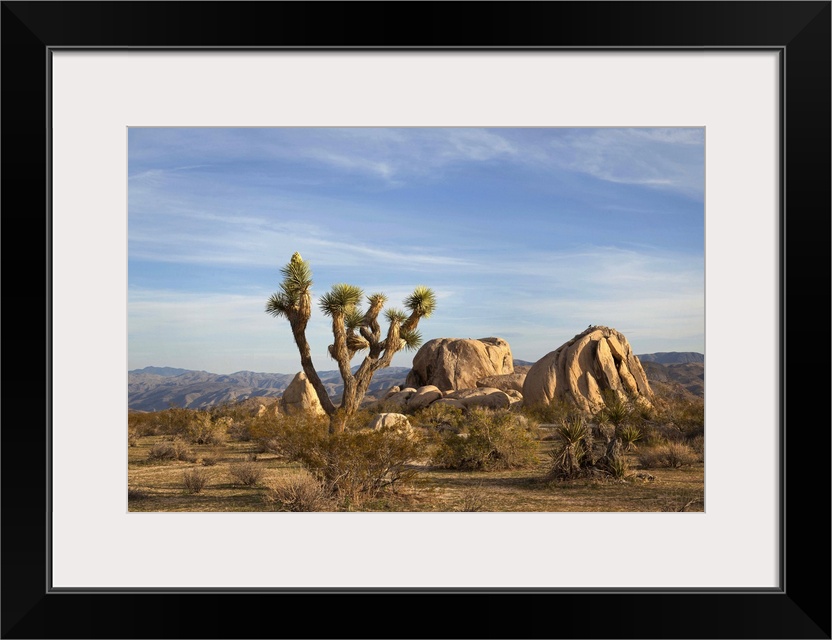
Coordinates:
[358,464]
[288,436]
[670,455]
[489,439]
[205,429]
[440,416]
[299,493]
[194,480]
[685,415]
[555,412]
[353,465]
[194,425]
[246,472]
[174,449]
[143,424]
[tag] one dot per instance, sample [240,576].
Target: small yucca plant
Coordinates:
[570,458]
[616,411]
[629,435]
[617,467]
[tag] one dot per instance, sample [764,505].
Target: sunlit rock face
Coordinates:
[583,369]
[300,398]
[458,363]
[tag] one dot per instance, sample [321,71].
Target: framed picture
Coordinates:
[77,77]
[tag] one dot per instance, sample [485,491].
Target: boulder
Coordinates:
[506,382]
[396,421]
[457,363]
[594,362]
[423,397]
[391,391]
[489,398]
[450,402]
[300,397]
[400,398]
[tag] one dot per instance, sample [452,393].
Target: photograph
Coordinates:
[407,306]
[416,319]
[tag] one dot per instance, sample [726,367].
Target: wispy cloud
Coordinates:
[662,158]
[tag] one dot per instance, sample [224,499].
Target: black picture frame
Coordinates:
[799,608]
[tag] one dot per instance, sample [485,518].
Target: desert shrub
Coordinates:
[212,458]
[686,415]
[262,427]
[133,437]
[174,449]
[439,416]
[361,419]
[202,429]
[246,473]
[490,439]
[357,464]
[670,455]
[173,421]
[554,412]
[642,412]
[473,499]
[239,430]
[234,411]
[698,445]
[298,493]
[142,423]
[290,436]
[195,480]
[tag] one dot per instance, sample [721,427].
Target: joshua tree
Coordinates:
[353,330]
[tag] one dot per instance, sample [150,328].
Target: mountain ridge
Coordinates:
[156,388]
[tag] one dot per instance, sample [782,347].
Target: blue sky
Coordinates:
[528,234]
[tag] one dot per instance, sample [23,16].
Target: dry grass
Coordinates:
[159,482]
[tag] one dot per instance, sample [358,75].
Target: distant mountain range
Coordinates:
[157,388]
[672,357]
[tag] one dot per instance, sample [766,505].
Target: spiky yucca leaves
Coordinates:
[574,451]
[395,315]
[294,290]
[341,299]
[628,435]
[376,301]
[353,319]
[616,411]
[411,338]
[421,303]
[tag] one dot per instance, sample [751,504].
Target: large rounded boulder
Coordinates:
[300,398]
[458,363]
[583,369]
